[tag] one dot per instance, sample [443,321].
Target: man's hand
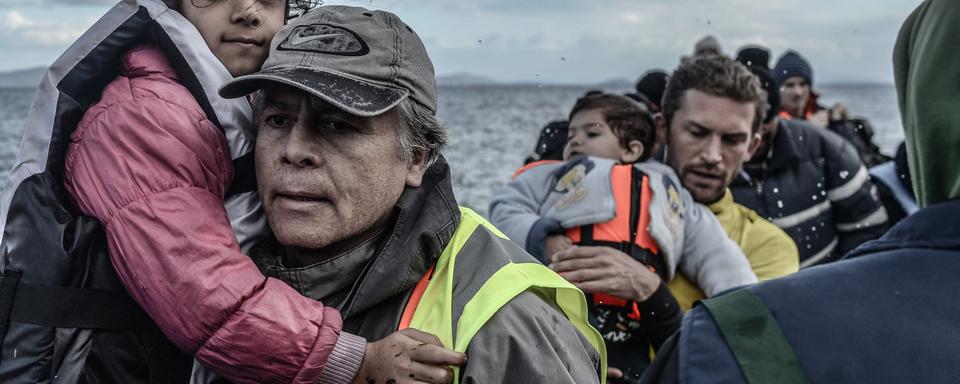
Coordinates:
[604,269]
[408,356]
[555,243]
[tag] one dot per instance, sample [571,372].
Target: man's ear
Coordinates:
[633,152]
[416,168]
[754,145]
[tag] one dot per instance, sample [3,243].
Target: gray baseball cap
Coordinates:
[365,62]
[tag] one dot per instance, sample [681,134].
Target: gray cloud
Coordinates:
[81,2]
[5,4]
[586,41]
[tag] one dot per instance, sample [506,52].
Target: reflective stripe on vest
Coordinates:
[455,319]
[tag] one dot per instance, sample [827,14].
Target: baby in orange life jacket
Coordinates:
[605,192]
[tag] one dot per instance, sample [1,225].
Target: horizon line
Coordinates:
[486,80]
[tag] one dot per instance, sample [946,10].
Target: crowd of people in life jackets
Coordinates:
[254,191]
[753,175]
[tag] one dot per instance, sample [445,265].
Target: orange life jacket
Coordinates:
[627,231]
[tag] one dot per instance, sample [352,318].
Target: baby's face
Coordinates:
[590,135]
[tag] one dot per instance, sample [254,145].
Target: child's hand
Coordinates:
[614,373]
[408,356]
[555,243]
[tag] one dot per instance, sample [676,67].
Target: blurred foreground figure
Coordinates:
[887,319]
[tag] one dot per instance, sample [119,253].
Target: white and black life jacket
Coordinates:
[64,317]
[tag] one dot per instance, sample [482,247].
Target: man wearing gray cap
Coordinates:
[352,177]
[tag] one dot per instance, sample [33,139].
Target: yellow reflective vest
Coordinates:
[434,311]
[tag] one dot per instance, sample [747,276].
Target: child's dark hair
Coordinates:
[627,119]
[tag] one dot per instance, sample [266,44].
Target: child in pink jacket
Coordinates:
[153,162]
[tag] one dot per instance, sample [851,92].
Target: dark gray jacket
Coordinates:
[528,340]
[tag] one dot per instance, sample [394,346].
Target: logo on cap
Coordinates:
[324,38]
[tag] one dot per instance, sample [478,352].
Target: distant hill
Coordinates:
[615,83]
[22,78]
[463,79]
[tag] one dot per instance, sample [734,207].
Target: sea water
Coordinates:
[493,128]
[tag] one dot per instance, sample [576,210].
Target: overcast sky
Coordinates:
[562,41]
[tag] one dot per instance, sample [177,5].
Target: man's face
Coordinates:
[328,180]
[707,141]
[237,31]
[794,93]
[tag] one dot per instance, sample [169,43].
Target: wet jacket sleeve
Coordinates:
[530,341]
[515,211]
[858,214]
[154,173]
[714,261]
[660,316]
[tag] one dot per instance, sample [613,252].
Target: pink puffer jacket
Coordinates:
[147,162]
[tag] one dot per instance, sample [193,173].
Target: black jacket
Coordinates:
[816,189]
